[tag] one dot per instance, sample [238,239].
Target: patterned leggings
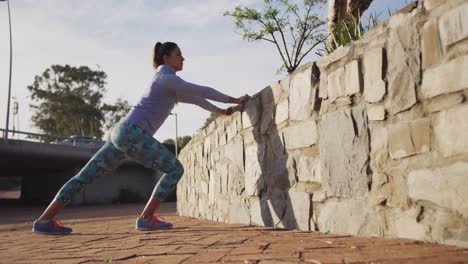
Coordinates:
[127,141]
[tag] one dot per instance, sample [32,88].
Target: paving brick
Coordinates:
[98,238]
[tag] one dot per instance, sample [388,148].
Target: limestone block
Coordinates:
[297,213]
[445,186]
[338,54]
[375,112]
[278,174]
[207,146]
[319,196]
[251,113]
[374,225]
[406,225]
[336,84]
[431,4]
[301,93]
[431,50]
[236,181]
[282,112]
[450,131]
[285,84]
[374,86]
[353,78]
[409,138]
[249,135]
[379,151]
[323,86]
[421,135]
[378,194]
[344,151]
[231,130]
[453,26]
[223,173]
[267,212]
[256,208]
[443,102]
[234,152]
[446,228]
[239,210]
[199,153]
[238,117]
[254,155]
[277,203]
[403,67]
[221,210]
[308,169]
[342,217]
[211,127]
[275,145]
[268,108]
[202,207]
[203,187]
[301,135]
[340,102]
[212,191]
[446,78]
[397,188]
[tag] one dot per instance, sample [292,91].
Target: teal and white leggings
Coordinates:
[127,141]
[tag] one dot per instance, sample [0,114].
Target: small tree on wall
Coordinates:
[294,30]
[343,20]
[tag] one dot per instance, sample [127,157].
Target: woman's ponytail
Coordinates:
[157,48]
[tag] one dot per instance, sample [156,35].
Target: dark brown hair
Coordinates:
[161,49]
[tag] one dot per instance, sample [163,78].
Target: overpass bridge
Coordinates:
[44,167]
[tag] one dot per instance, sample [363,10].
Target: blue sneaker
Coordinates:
[51,227]
[151,223]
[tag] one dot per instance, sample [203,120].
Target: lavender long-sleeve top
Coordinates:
[159,99]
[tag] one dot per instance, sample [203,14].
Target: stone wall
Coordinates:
[371,140]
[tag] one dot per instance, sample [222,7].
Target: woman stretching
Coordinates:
[132,138]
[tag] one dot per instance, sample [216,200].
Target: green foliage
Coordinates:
[67,101]
[115,112]
[181,142]
[294,30]
[210,119]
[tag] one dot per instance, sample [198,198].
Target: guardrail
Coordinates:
[49,139]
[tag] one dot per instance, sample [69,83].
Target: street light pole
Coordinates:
[176,133]
[9,84]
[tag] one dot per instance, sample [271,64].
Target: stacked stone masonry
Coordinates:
[371,140]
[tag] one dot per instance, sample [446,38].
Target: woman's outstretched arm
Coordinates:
[205,104]
[181,87]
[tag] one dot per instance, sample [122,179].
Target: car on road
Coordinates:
[82,141]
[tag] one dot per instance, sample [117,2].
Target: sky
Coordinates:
[117,36]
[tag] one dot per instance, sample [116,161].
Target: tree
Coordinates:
[294,30]
[210,119]
[181,142]
[344,14]
[115,112]
[68,101]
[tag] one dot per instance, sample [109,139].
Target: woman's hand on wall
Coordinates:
[241,100]
[233,109]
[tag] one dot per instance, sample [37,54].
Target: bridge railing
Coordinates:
[51,139]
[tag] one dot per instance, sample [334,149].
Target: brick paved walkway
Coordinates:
[104,234]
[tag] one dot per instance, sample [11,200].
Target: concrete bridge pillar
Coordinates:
[41,189]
